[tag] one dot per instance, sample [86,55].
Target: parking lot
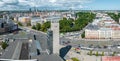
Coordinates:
[103,46]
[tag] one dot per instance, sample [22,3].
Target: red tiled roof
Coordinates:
[111,58]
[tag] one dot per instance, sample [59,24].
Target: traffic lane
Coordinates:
[24,51]
[43,41]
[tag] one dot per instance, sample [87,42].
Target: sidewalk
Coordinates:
[83,56]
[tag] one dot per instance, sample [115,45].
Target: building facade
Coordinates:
[7,25]
[104,27]
[55,29]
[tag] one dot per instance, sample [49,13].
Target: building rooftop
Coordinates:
[105,29]
[111,58]
[103,23]
[53,18]
[92,27]
[52,57]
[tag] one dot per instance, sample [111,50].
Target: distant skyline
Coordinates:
[60,4]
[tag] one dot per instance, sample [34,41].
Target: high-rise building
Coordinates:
[55,29]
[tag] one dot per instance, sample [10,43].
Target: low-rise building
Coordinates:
[92,32]
[69,15]
[24,19]
[103,27]
[35,20]
[7,25]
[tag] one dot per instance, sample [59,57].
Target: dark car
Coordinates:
[34,37]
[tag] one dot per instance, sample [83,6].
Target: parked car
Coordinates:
[118,46]
[34,37]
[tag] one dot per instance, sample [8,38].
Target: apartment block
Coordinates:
[103,27]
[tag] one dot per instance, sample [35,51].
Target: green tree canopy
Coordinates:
[33,27]
[20,24]
[29,23]
[45,26]
[4,45]
[38,26]
[83,35]
[114,16]
[65,25]
[68,25]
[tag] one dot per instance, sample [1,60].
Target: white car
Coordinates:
[118,46]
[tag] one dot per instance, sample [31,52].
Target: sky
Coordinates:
[61,4]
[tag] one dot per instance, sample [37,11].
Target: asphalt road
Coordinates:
[24,51]
[76,43]
[8,52]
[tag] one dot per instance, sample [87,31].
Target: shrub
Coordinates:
[113,53]
[102,54]
[75,59]
[97,53]
[90,52]
[4,45]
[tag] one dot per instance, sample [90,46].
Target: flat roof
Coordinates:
[52,57]
[93,27]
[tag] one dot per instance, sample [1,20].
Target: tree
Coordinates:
[64,18]
[70,19]
[90,52]
[114,16]
[38,26]
[33,27]
[45,26]
[29,23]
[75,59]
[75,25]
[66,25]
[83,35]
[102,54]
[20,24]
[113,53]
[4,45]
[97,53]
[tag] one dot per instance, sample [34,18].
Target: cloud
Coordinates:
[10,2]
[58,4]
